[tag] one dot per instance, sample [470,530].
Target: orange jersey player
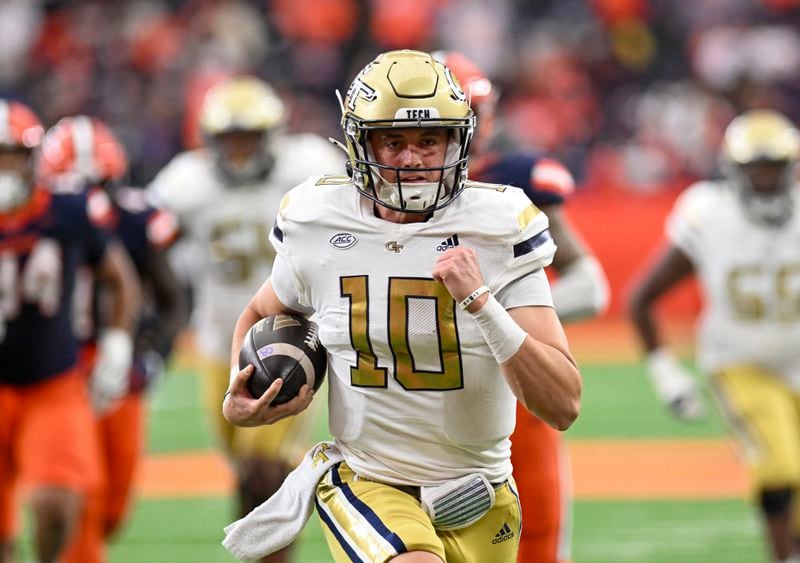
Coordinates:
[541,467]
[47,440]
[78,152]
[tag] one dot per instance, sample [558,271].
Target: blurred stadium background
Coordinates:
[631,94]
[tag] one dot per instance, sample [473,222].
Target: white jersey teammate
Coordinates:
[741,237]
[226,196]
[751,288]
[231,223]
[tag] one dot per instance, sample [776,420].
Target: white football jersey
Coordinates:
[229,226]
[415,395]
[750,276]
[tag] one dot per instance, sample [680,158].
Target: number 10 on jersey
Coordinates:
[366,372]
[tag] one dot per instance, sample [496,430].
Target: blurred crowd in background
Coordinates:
[630,94]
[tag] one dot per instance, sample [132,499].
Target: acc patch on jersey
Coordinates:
[343,240]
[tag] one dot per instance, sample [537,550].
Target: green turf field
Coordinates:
[617,404]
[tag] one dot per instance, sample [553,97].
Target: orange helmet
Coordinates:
[85,147]
[19,126]
[476,86]
[479,93]
[20,129]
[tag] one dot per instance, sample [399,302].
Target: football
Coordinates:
[286,347]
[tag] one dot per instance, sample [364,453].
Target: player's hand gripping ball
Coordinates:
[285,347]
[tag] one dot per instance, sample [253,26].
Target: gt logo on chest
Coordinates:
[393,246]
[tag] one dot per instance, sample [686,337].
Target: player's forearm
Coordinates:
[248,318]
[529,345]
[170,302]
[546,382]
[265,302]
[641,313]
[118,274]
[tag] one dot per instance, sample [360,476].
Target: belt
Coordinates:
[414,491]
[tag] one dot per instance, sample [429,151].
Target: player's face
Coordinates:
[410,148]
[239,147]
[765,177]
[15,176]
[14,160]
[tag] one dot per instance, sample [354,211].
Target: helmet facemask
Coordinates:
[16,184]
[370,176]
[253,167]
[764,188]
[14,191]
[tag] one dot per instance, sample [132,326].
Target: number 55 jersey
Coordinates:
[750,276]
[416,397]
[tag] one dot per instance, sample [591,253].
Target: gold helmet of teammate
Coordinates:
[239,119]
[407,89]
[759,154]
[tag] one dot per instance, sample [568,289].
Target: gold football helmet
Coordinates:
[759,154]
[404,89]
[239,119]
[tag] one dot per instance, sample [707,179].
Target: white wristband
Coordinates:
[469,299]
[501,332]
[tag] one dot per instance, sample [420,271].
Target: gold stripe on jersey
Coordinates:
[526,216]
[333,180]
[284,204]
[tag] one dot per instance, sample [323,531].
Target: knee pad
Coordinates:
[776,501]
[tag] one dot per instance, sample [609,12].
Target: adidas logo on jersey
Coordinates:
[504,534]
[451,242]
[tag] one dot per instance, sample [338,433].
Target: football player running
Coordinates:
[740,236]
[81,153]
[47,440]
[430,344]
[541,466]
[226,195]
